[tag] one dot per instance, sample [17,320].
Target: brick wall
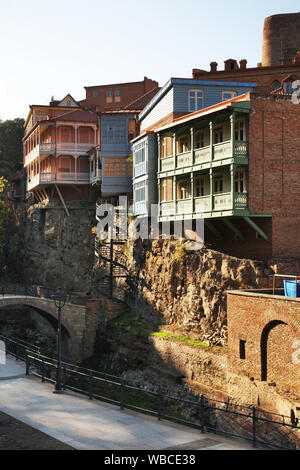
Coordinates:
[96,95]
[274,163]
[269,325]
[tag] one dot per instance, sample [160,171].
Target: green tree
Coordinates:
[11,147]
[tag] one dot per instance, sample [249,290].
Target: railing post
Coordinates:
[254,418]
[27,364]
[159,404]
[91,384]
[122,394]
[64,378]
[43,370]
[202,413]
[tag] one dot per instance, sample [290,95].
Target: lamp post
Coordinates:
[59,298]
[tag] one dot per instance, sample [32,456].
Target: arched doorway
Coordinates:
[264,347]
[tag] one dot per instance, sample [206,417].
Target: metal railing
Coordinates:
[285,276]
[226,418]
[40,292]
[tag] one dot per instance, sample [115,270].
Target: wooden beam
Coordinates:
[257,228]
[234,229]
[62,200]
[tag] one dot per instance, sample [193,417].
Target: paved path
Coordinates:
[92,425]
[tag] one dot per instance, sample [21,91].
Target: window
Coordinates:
[239,130]
[69,103]
[166,190]
[183,144]
[114,131]
[117,93]
[139,153]
[228,95]
[199,140]
[195,100]
[218,135]
[184,189]
[242,349]
[166,147]
[275,85]
[140,192]
[95,94]
[199,187]
[109,96]
[218,184]
[239,181]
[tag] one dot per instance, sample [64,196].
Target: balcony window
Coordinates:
[218,135]
[199,139]
[199,187]
[166,190]
[166,147]
[184,189]
[239,181]
[218,184]
[183,144]
[140,192]
[196,99]
[139,153]
[228,95]
[239,130]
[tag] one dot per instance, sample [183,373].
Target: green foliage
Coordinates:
[180,253]
[11,147]
[186,340]
[130,158]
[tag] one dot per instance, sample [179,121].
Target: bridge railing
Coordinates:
[41,292]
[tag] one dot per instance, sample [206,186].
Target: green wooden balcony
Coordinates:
[206,205]
[218,152]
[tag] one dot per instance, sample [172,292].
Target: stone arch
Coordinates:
[48,312]
[264,346]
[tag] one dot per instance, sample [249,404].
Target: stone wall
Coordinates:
[58,249]
[186,289]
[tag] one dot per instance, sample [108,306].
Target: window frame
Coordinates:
[196,91]
[232,92]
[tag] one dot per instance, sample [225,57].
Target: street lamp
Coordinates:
[59,298]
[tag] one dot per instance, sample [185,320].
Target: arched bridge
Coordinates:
[79,315]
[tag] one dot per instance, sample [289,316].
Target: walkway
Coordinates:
[94,425]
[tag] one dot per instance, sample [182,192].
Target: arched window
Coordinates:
[275,85]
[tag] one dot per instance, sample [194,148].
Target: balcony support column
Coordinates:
[211,188]
[175,194]
[39,143]
[211,142]
[159,152]
[75,131]
[75,167]
[192,144]
[192,191]
[175,149]
[232,178]
[232,132]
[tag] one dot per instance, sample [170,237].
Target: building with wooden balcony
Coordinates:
[178,97]
[57,141]
[236,166]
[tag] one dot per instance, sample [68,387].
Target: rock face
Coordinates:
[187,289]
[58,249]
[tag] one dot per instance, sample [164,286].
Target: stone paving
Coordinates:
[94,425]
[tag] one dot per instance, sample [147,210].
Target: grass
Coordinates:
[127,322]
[190,342]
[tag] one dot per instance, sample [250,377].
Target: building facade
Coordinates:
[57,141]
[178,97]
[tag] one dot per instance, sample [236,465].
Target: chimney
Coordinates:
[198,72]
[213,66]
[243,64]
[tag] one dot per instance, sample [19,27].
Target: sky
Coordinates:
[58,47]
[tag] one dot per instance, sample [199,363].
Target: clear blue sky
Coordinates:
[59,46]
